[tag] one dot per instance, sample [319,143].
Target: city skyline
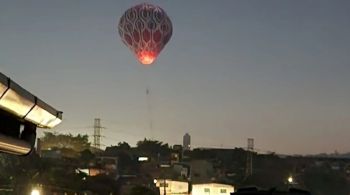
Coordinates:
[274,71]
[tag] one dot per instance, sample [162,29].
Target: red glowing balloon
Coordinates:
[145,29]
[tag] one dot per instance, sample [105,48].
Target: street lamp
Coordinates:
[290,181]
[35,192]
[19,108]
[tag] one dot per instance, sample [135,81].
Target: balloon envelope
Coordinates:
[145,29]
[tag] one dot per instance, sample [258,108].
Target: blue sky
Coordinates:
[277,71]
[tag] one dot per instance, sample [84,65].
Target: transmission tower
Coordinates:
[249,165]
[97,133]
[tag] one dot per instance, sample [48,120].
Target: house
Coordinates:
[212,189]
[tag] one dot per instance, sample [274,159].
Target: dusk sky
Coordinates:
[276,71]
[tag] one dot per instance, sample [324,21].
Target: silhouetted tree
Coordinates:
[86,156]
[126,161]
[77,143]
[123,146]
[153,148]
[323,181]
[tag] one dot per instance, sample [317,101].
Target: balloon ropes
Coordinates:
[145,29]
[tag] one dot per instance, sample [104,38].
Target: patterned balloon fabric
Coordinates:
[145,29]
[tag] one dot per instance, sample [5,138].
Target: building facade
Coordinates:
[212,189]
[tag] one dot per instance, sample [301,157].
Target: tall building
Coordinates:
[187,142]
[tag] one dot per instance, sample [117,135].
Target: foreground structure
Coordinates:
[20,114]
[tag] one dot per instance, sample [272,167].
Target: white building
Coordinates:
[212,189]
[172,187]
[187,142]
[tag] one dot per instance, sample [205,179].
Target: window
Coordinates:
[206,190]
[223,191]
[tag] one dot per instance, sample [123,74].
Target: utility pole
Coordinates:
[249,163]
[164,189]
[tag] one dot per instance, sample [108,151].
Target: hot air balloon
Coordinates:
[145,29]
